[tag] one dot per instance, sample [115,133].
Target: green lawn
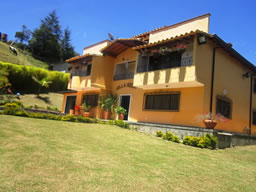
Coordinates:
[45,155]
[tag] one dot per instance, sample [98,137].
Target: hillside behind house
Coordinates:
[23,57]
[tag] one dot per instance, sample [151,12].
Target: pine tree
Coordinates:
[46,41]
[67,48]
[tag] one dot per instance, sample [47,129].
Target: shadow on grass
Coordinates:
[45,99]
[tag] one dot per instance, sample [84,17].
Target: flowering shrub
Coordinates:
[77,108]
[212,116]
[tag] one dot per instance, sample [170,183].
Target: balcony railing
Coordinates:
[80,73]
[124,76]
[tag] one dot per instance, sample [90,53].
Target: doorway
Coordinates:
[125,101]
[70,103]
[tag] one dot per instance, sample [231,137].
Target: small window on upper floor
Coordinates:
[224,107]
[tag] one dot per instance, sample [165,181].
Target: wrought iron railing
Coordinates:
[123,76]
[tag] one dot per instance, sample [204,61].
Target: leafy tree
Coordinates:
[67,48]
[23,35]
[45,42]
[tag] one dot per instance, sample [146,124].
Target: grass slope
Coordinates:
[23,58]
[45,155]
[50,99]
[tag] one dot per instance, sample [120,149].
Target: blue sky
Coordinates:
[91,20]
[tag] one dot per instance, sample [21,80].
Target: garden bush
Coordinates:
[118,123]
[171,137]
[159,134]
[69,118]
[205,141]
[20,77]
[12,108]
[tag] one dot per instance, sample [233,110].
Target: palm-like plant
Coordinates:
[44,82]
[108,102]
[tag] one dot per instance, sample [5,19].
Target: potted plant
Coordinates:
[210,120]
[71,112]
[86,109]
[107,103]
[77,109]
[121,112]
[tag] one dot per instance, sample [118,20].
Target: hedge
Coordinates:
[20,77]
[17,109]
[205,141]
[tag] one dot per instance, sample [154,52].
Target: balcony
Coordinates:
[80,77]
[173,70]
[124,71]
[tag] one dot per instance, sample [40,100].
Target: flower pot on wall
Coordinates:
[77,112]
[121,116]
[106,115]
[86,114]
[210,124]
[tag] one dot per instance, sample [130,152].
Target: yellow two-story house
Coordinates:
[170,75]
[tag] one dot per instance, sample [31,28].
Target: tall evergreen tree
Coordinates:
[67,48]
[46,41]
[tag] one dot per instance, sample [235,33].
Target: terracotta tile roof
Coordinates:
[219,42]
[167,26]
[78,58]
[191,33]
[119,45]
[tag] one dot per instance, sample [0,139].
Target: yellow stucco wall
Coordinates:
[173,75]
[190,98]
[201,23]
[228,82]
[95,49]
[194,100]
[102,71]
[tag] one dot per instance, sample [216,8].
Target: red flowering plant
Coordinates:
[181,47]
[77,108]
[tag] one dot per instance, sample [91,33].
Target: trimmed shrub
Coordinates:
[20,78]
[205,141]
[119,123]
[12,108]
[190,140]
[176,139]
[168,136]
[69,118]
[159,134]
[171,137]
[22,113]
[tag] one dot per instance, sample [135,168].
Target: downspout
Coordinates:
[250,108]
[212,80]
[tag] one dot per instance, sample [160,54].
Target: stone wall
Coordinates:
[225,139]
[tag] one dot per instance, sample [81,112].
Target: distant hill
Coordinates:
[23,57]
